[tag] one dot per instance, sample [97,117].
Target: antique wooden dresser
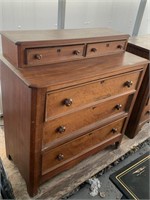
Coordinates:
[67,94]
[140,46]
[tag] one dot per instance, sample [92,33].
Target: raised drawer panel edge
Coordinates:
[64,126]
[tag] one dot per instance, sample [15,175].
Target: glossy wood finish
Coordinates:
[69,73]
[23,122]
[96,93]
[64,153]
[140,46]
[27,56]
[10,51]
[39,56]
[89,93]
[103,48]
[17,120]
[88,116]
[57,36]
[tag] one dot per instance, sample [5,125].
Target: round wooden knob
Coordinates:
[61,129]
[60,157]
[38,56]
[94,50]
[118,106]
[58,50]
[128,83]
[68,102]
[119,46]
[114,130]
[76,52]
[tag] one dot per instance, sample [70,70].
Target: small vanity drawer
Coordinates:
[66,125]
[66,100]
[98,49]
[49,55]
[61,154]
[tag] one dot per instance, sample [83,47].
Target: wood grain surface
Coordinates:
[65,111]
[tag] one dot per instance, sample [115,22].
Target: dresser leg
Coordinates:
[117,144]
[9,157]
[32,191]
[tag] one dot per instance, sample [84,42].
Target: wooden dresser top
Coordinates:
[25,37]
[71,73]
[141,41]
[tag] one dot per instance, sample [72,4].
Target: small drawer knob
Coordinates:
[118,106]
[119,46]
[60,157]
[68,102]
[58,50]
[38,56]
[76,52]
[114,130]
[128,83]
[94,50]
[61,129]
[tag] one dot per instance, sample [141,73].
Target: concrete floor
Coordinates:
[107,187]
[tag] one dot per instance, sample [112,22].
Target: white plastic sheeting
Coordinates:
[94,186]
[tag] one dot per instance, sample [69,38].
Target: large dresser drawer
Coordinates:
[47,55]
[146,112]
[66,125]
[98,49]
[61,154]
[65,100]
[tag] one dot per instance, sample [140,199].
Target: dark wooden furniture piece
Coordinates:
[133,179]
[66,95]
[140,46]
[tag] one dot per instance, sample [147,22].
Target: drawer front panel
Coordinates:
[145,114]
[40,56]
[61,154]
[63,126]
[66,100]
[102,48]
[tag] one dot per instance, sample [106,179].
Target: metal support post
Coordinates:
[61,14]
[139,17]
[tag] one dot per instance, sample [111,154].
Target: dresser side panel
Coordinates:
[138,46]
[16,99]
[10,51]
[139,105]
[139,51]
